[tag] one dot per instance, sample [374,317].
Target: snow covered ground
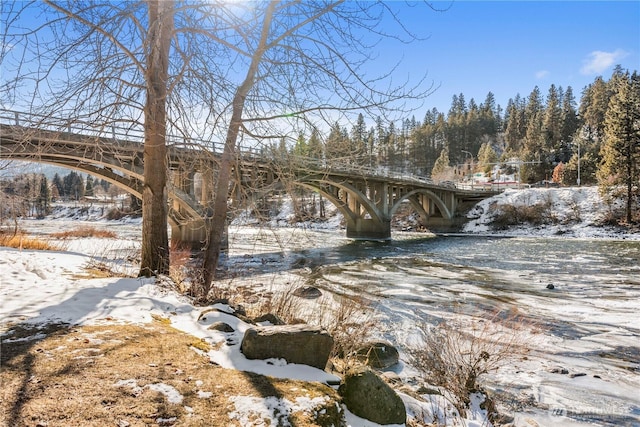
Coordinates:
[39,287]
[577,211]
[45,286]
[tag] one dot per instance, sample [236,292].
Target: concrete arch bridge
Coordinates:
[367,198]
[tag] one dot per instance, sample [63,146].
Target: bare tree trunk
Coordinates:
[629,181]
[155,239]
[221,196]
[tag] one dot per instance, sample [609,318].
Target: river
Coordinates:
[587,325]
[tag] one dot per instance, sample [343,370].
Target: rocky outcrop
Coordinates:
[378,354]
[269,317]
[367,395]
[304,344]
[308,292]
[221,326]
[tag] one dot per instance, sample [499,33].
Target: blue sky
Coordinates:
[509,47]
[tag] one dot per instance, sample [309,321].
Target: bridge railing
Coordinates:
[122,131]
[115,131]
[352,165]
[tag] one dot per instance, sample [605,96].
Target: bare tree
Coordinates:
[103,63]
[305,63]
[241,73]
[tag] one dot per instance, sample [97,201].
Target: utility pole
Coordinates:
[578,180]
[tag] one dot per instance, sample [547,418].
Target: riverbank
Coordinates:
[578,212]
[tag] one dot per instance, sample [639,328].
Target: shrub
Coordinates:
[22,241]
[179,266]
[349,320]
[85,232]
[454,355]
[537,214]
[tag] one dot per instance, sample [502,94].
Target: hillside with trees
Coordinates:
[553,137]
[30,195]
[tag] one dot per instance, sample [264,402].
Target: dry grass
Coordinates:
[281,302]
[85,232]
[181,267]
[69,379]
[22,241]
[456,354]
[348,319]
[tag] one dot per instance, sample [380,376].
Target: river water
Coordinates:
[587,325]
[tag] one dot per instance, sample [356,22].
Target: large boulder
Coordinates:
[304,344]
[369,397]
[378,354]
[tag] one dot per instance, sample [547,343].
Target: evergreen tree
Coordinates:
[301,148]
[593,108]
[486,156]
[391,142]
[43,200]
[621,149]
[552,128]
[88,188]
[441,170]
[338,144]
[358,137]
[381,141]
[316,149]
[515,124]
[73,185]
[57,183]
[534,140]
[489,116]
[105,185]
[570,123]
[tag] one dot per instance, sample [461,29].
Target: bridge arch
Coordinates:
[181,229]
[423,201]
[352,202]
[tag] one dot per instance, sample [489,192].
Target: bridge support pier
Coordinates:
[193,235]
[368,229]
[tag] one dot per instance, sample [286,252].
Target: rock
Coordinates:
[304,344]
[577,374]
[221,326]
[239,310]
[369,397]
[550,286]
[391,377]
[269,317]
[308,292]
[427,390]
[203,315]
[379,354]
[559,370]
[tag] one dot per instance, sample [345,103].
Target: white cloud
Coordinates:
[541,74]
[598,61]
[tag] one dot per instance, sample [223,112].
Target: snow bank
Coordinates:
[577,211]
